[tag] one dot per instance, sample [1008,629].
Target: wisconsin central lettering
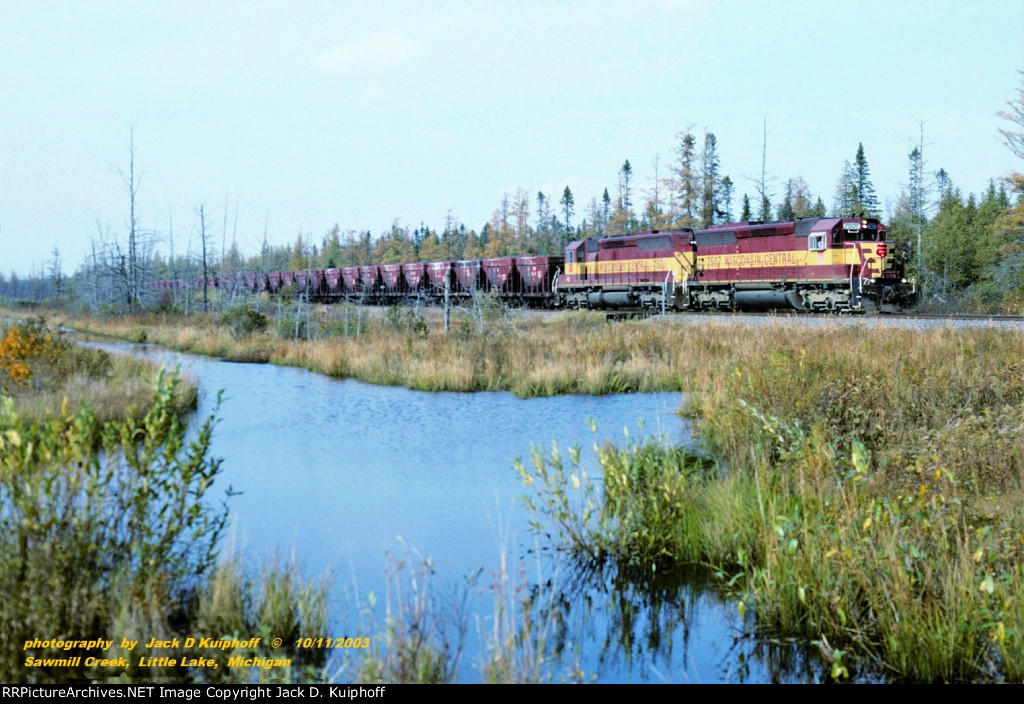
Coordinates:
[755,260]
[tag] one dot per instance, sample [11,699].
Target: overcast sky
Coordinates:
[306,114]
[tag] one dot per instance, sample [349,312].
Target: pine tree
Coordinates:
[685,180]
[710,186]
[867,201]
[567,202]
[746,215]
[625,187]
[785,210]
[725,202]
[943,183]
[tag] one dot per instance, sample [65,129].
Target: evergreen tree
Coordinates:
[943,184]
[993,243]
[746,215]
[685,180]
[867,201]
[846,193]
[710,186]
[950,245]
[331,249]
[785,210]
[725,203]
[567,202]
[542,233]
[623,218]
[915,201]
[625,187]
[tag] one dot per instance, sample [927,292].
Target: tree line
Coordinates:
[964,248]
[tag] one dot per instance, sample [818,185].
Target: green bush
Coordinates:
[243,320]
[108,531]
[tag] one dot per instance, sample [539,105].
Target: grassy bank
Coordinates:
[867,488]
[41,371]
[528,355]
[107,533]
[866,498]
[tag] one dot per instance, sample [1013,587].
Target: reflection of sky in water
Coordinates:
[339,473]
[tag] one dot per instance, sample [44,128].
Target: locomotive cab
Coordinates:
[876,265]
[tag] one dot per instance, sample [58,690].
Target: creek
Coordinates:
[368,484]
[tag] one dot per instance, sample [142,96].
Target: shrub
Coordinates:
[107,531]
[243,320]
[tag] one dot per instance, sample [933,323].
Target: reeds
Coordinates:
[55,372]
[867,496]
[867,488]
[107,532]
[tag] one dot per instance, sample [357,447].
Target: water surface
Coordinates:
[348,478]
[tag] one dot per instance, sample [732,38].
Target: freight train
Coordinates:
[814,264]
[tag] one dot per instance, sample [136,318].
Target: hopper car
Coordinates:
[814,264]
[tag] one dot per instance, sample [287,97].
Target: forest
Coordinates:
[966,250]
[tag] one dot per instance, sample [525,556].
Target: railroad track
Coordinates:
[952,317]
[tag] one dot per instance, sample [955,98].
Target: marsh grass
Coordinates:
[424,630]
[528,355]
[867,496]
[427,628]
[107,531]
[55,371]
[867,488]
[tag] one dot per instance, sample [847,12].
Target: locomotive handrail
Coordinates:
[664,289]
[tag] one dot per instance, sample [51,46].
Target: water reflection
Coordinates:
[341,474]
[677,626]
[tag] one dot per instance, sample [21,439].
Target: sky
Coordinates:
[289,117]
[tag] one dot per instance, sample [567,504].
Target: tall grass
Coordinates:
[107,530]
[50,371]
[867,487]
[427,629]
[867,496]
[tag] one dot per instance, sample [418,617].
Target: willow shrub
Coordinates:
[106,531]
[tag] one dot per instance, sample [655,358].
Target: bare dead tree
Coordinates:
[765,209]
[201,212]
[131,268]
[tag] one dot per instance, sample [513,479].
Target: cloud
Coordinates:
[381,50]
